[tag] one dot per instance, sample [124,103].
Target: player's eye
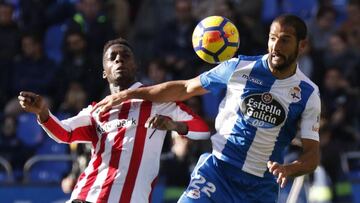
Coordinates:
[272,38]
[112,57]
[284,40]
[125,55]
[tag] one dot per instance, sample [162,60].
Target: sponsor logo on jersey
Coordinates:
[193,194]
[252,79]
[316,126]
[295,94]
[263,110]
[115,124]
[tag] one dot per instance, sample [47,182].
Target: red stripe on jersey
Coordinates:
[115,155]
[196,124]
[93,174]
[56,129]
[94,139]
[140,137]
[83,133]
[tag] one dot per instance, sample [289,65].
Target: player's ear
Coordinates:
[104,74]
[303,45]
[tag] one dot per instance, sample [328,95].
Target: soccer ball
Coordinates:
[215,39]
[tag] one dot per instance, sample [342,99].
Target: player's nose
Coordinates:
[119,59]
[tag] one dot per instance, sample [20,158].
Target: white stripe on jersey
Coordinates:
[224,123]
[95,189]
[125,158]
[81,182]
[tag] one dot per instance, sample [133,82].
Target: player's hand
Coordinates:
[278,170]
[32,102]
[108,102]
[160,122]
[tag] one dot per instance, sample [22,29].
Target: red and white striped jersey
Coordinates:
[126,155]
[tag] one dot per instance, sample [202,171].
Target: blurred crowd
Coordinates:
[54,48]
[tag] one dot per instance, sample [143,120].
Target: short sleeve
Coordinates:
[310,120]
[217,78]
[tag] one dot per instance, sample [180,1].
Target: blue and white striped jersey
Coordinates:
[259,114]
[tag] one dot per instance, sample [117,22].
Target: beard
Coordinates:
[287,60]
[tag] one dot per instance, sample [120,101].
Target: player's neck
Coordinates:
[285,73]
[117,88]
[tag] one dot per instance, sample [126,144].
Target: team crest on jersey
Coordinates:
[263,110]
[295,94]
[194,194]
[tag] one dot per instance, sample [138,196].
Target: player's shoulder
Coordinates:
[306,79]
[308,83]
[242,60]
[250,58]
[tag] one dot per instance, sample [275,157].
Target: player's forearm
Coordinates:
[306,163]
[178,90]
[164,92]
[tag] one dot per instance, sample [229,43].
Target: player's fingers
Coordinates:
[21,98]
[276,172]
[157,122]
[283,183]
[149,122]
[27,100]
[28,96]
[273,166]
[22,104]
[279,178]
[98,105]
[105,108]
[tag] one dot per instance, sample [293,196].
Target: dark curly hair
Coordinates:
[120,41]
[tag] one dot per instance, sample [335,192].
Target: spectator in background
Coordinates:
[156,73]
[79,66]
[340,55]
[352,23]
[322,27]
[75,100]
[119,12]
[33,70]
[341,108]
[32,15]
[174,41]
[11,147]
[9,33]
[306,63]
[92,20]
[9,48]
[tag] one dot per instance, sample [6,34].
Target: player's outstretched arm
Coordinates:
[34,103]
[306,163]
[178,90]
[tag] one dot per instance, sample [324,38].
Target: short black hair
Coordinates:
[294,21]
[119,41]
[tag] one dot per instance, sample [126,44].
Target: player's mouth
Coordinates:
[119,69]
[277,57]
